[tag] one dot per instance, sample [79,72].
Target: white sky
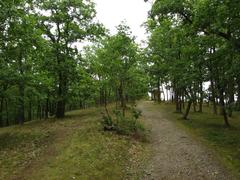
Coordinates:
[112,12]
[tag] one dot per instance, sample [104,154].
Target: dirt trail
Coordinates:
[175,154]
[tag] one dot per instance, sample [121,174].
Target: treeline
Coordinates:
[194,43]
[42,71]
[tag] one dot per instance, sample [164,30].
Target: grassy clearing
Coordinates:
[73,148]
[209,128]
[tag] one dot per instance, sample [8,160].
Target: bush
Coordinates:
[107,123]
[124,125]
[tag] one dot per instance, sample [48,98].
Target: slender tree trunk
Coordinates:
[238,95]
[167,95]
[116,97]
[1,112]
[185,116]
[47,108]
[222,103]
[30,110]
[183,101]
[39,111]
[213,97]
[101,96]
[61,97]
[178,108]
[122,97]
[7,113]
[21,108]
[21,88]
[43,111]
[231,97]
[164,96]
[158,91]
[201,97]
[194,106]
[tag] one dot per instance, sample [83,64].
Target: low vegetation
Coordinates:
[128,124]
[73,148]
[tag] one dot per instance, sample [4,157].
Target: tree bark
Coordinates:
[201,97]
[185,116]
[178,107]
[238,95]
[21,107]
[7,113]
[47,108]
[61,97]
[122,97]
[222,103]
[231,97]
[30,110]
[1,112]
[21,88]
[213,97]
[158,91]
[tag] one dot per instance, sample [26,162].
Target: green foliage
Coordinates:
[187,48]
[40,67]
[125,125]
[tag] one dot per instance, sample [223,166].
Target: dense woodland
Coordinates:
[43,73]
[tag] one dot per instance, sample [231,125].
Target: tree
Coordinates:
[198,42]
[68,22]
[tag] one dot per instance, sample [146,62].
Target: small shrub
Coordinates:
[125,125]
[136,113]
[107,123]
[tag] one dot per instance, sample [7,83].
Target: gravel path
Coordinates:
[175,154]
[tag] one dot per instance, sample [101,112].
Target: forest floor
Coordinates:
[73,148]
[78,148]
[176,153]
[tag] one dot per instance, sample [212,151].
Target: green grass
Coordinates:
[73,148]
[209,128]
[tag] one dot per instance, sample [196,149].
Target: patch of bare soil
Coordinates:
[175,154]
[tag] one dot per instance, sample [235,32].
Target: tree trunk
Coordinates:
[61,97]
[7,113]
[60,109]
[222,103]
[39,111]
[158,91]
[201,97]
[21,88]
[167,95]
[164,96]
[231,97]
[122,97]
[238,95]
[195,106]
[30,110]
[47,108]
[213,98]
[21,108]
[185,116]
[178,108]
[1,112]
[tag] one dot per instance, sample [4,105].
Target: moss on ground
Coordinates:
[73,148]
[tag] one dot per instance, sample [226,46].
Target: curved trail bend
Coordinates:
[175,154]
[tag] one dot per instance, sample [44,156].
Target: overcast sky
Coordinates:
[112,12]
